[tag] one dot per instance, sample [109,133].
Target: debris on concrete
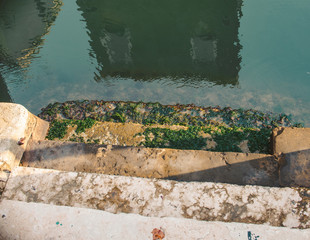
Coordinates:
[37,221]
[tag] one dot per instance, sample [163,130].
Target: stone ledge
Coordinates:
[17,123]
[293,147]
[35,221]
[159,198]
[182,165]
[17,126]
[287,140]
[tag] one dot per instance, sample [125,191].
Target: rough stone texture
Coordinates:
[293,147]
[183,165]
[33,221]
[287,140]
[161,198]
[41,129]
[16,123]
[3,179]
[295,169]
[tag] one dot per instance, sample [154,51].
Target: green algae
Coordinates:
[227,127]
[155,113]
[58,128]
[227,139]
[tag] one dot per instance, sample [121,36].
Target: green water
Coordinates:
[243,54]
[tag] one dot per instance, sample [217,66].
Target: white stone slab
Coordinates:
[33,221]
[17,125]
[159,198]
[15,122]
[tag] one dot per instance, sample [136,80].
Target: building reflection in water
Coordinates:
[195,41]
[23,24]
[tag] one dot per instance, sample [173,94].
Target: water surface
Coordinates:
[243,54]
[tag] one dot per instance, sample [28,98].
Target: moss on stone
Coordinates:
[58,128]
[227,127]
[226,139]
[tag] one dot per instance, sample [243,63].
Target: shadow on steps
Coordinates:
[180,165]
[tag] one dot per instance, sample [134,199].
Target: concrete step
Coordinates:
[36,221]
[46,204]
[206,201]
[181,165]
[292,145]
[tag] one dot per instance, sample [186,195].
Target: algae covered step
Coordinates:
[155,125]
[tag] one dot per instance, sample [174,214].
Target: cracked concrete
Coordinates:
[161,198]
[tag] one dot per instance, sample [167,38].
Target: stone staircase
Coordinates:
[163,163]
[88,191]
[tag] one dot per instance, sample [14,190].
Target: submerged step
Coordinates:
[134,123]
[36,221]
[182,165]
[162,198]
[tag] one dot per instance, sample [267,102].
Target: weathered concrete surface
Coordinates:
[33,221]
[161,198]
[16,123]
[3,179]
[287,140]
[295,169]
[184,165]
[40,130]
[293,147]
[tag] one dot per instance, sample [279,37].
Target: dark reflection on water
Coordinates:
[191,41]
[242,54]
[4,92]
[23,25]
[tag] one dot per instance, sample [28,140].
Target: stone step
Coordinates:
[36,221]
[206,201]
[293,147]
[38,202]
[181,165]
